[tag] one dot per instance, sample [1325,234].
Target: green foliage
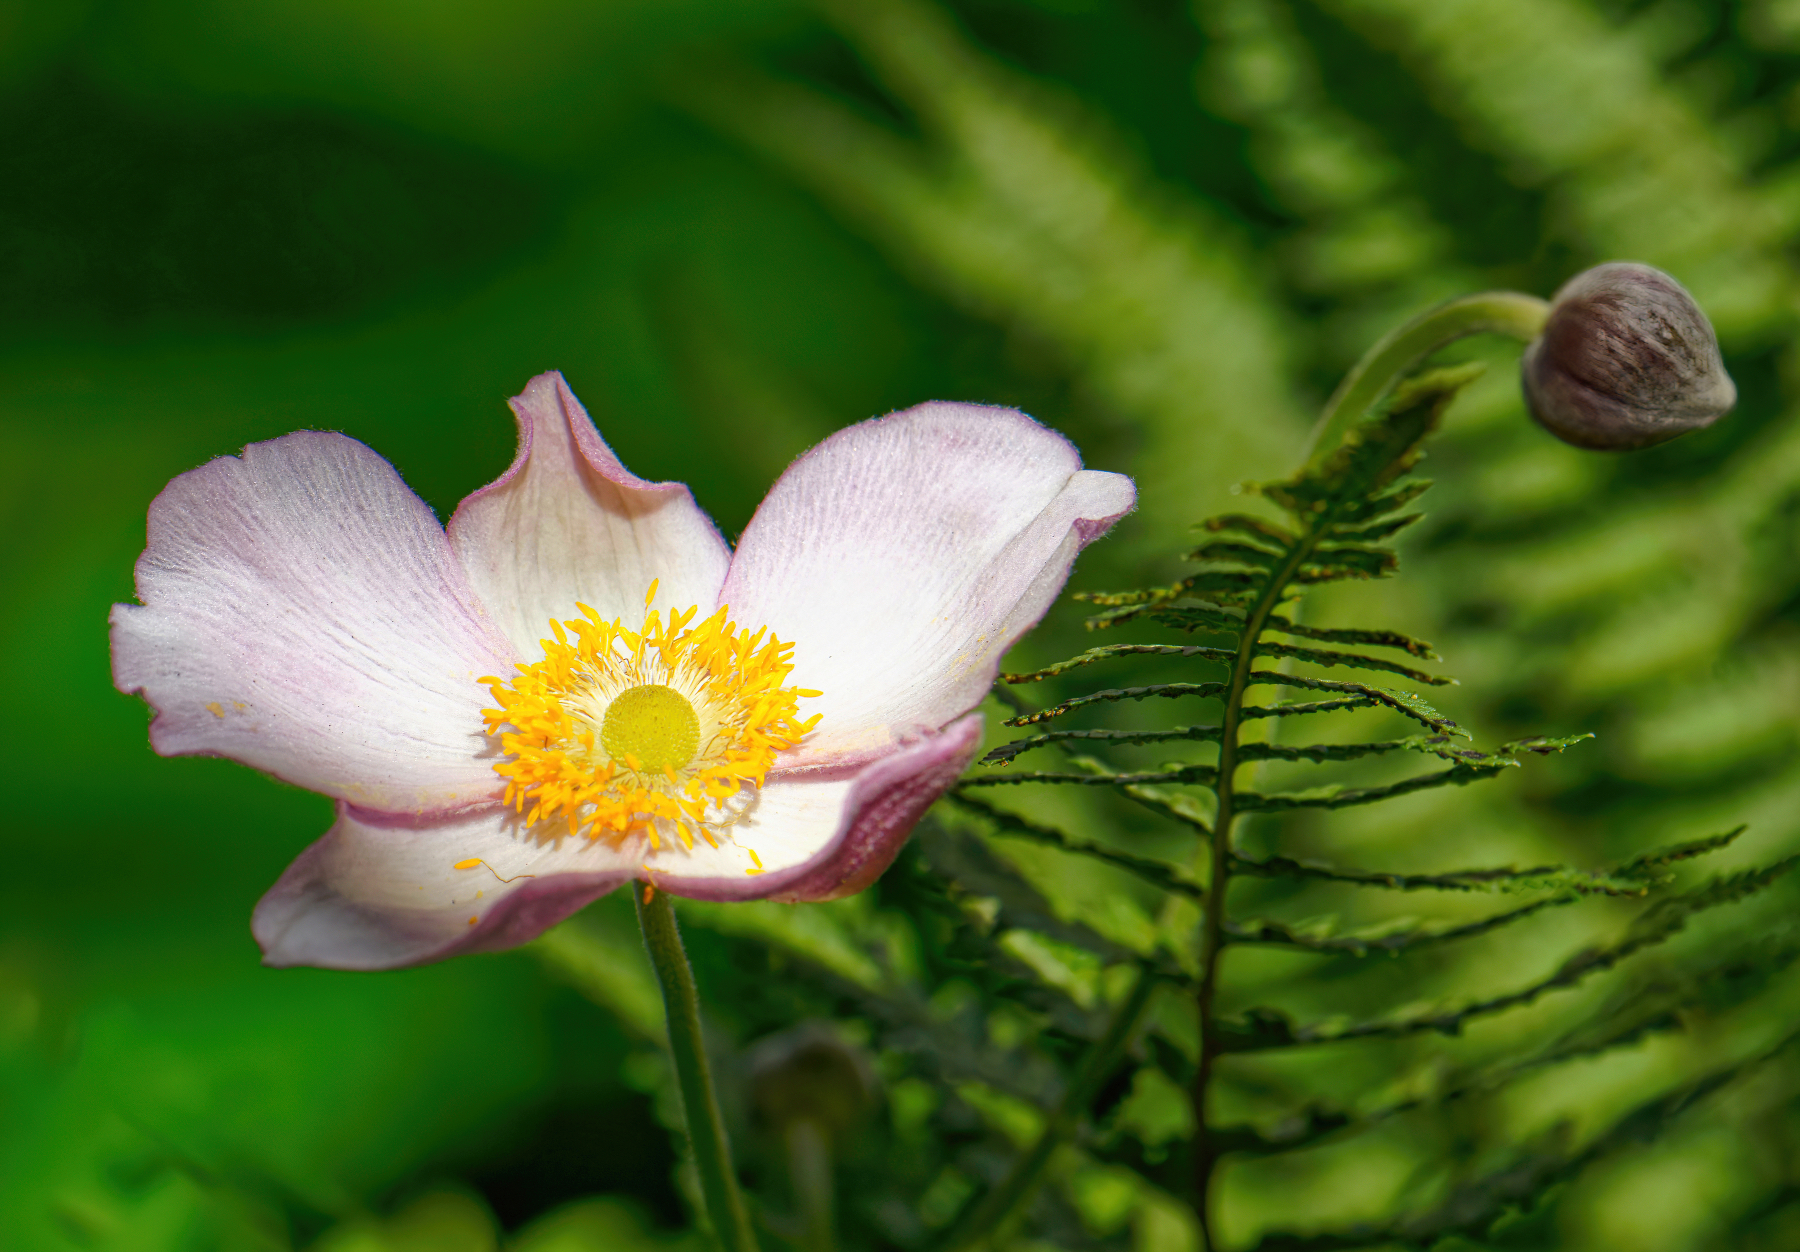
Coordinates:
[1349,494]
[1165,230]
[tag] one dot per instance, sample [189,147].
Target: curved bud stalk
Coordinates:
[1626,360]
[1622,358]
[1402,350]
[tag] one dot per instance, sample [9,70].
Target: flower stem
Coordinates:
[997,1207]
[706,1129]
[1400,350]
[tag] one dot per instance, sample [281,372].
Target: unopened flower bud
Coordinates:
[809,1074]
[1626,360]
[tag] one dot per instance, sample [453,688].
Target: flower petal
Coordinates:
[823,834]
[303,614]
[378,892]
[903,556]
[568,523]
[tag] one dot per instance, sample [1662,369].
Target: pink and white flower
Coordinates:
[304,613]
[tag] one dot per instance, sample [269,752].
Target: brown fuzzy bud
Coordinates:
[1626,360]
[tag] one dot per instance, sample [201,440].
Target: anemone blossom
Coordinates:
[578,682]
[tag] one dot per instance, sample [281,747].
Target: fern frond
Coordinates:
[1265,1028]
[1436,745]
[1118,649]
[1202,774]
[1250,712]
[1338,562]
[1163,691]
[1335,796]
[1368,638]
[1661,858]
[1181,807]
[1342,513]
[1352,660]
[1386,528]
[1388,942]
[1643,1011]
[1473,1208]
[1254,528]
[1403,702]
[1136,598]
[1503,879]
[1008,751]
[1156,873]
[1194,616]
[973,867]
[1227,552]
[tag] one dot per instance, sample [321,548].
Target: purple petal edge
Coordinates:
[311,924]
[885,802]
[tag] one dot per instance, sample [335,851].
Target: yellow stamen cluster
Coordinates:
[620,732]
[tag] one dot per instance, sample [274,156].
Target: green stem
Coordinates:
[809,1167]
[1400,351]
[997,1207]
[706,1129]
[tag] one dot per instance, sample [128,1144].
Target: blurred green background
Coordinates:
[737,225]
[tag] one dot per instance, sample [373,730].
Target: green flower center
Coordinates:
[655,725]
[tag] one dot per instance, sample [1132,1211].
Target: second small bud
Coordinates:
[1626,360]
